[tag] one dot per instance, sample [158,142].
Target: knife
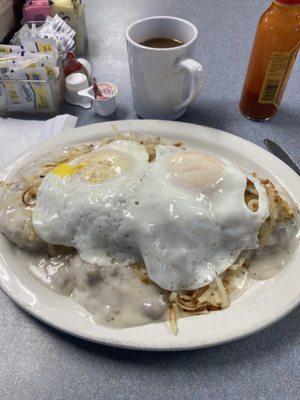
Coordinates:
[281,154]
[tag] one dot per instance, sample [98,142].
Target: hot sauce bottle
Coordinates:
[274,52]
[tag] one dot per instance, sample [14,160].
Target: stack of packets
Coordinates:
[55,29]
[30,78]
[72,11]
[29,81]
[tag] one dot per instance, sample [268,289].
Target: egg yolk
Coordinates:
[97,167]
[65,169]
[195,170]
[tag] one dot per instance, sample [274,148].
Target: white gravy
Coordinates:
[116,297]
[113,296]
[267,262]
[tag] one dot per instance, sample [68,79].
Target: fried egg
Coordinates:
[83,203]
[17,197]
[190,219]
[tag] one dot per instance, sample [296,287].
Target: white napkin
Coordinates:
[17,135]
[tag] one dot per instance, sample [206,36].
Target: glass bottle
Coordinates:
[274,52]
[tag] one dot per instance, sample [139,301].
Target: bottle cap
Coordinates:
[76,81]
[72,65]
[289,2]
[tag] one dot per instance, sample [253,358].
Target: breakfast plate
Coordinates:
[265,302]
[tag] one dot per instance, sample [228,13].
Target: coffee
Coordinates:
[159,88]
[162,42]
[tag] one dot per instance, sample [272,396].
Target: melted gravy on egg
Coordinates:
[267,262]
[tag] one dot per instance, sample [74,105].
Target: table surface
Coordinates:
[38,362]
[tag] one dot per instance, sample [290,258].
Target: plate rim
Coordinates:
[55,141]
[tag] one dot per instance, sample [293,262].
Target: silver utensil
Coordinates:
[275,149]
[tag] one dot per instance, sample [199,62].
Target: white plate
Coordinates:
[263,304]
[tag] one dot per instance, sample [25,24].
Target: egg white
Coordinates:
[191,221]
[83,204]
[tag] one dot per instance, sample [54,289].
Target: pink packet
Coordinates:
[36,10]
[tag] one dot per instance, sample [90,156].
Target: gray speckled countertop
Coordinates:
[37,362]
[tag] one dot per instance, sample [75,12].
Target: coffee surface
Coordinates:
[162,42]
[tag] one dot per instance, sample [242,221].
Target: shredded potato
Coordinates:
[29,196]
[279,211]
[173,318]
[140,269]
[51,249]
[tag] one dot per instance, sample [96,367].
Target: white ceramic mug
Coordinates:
[164,81]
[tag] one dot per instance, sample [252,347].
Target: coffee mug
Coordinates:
[165,80]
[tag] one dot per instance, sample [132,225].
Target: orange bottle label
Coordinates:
[277,75]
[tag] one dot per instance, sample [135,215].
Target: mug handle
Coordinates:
[196,71]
